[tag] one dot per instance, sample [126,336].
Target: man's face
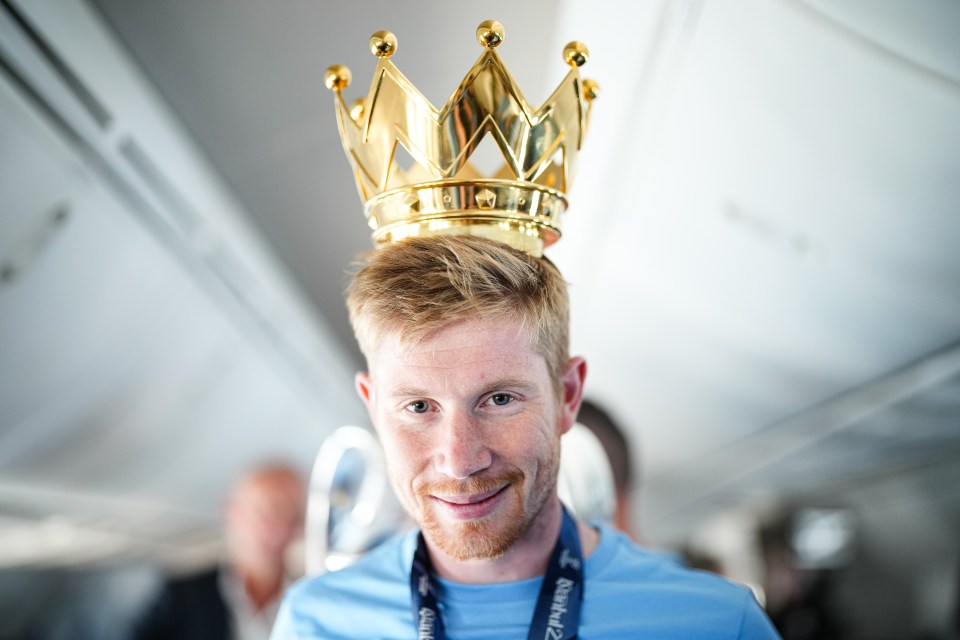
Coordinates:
[264,515]
[470,421]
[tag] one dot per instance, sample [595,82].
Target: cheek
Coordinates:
[533,441]
[403,453]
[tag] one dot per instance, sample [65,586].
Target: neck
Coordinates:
[527,558]
[262,582]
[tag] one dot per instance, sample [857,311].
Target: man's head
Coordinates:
[470,385]
[618,450]
[264,514]
[417,286]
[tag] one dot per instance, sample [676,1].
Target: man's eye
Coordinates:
[501,399]
[418,406]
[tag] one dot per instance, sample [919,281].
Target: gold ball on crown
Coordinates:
[357,109]
[576,54]
[337,77]
[591,90]
[383,44]
[490,33]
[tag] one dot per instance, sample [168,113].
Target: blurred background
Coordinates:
[763,250]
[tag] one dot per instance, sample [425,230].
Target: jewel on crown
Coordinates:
[521,204]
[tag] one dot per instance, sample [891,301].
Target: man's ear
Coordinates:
[572,389]
[364,387]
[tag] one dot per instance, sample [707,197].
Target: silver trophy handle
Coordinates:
[350,508]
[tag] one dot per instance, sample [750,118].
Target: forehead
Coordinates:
[494,343]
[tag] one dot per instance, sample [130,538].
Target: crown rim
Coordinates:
[504,207]
[514,233]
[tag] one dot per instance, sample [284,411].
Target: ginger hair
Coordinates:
[422,284]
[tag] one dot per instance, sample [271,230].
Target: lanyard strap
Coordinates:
[557,613]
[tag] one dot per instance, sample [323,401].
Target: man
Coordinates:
[239,599]
[617,448]
[470,387]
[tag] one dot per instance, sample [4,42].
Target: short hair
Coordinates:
[421,284]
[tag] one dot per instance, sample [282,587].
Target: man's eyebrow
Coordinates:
[488,387]
[504,383]
[407,391]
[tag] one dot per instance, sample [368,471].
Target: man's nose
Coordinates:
[461,449]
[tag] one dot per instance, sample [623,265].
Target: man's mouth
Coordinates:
[469,507]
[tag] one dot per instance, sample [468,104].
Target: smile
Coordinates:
[471,507]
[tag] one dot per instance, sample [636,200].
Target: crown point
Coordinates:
[383,44]
[337,78]
[576,54]
[490,33]
[591,90]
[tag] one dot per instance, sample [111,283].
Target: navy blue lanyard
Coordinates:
[557,613]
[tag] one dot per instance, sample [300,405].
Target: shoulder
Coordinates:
[200,581]
[362,600]
[649,589]
[384,568]
[618,562]
[186,607]
[189,589]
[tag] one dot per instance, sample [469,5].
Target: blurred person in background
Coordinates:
[617,447]
[618,450]
[798,598]
[695,558]
[238,599]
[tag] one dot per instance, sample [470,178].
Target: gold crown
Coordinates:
[442,192]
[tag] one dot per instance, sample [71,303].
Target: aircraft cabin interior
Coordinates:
[762,249]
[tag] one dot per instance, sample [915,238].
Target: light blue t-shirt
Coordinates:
[628,593]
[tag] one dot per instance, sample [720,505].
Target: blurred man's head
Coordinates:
[264,514]
[618,450]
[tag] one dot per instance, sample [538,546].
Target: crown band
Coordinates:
[522,215]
